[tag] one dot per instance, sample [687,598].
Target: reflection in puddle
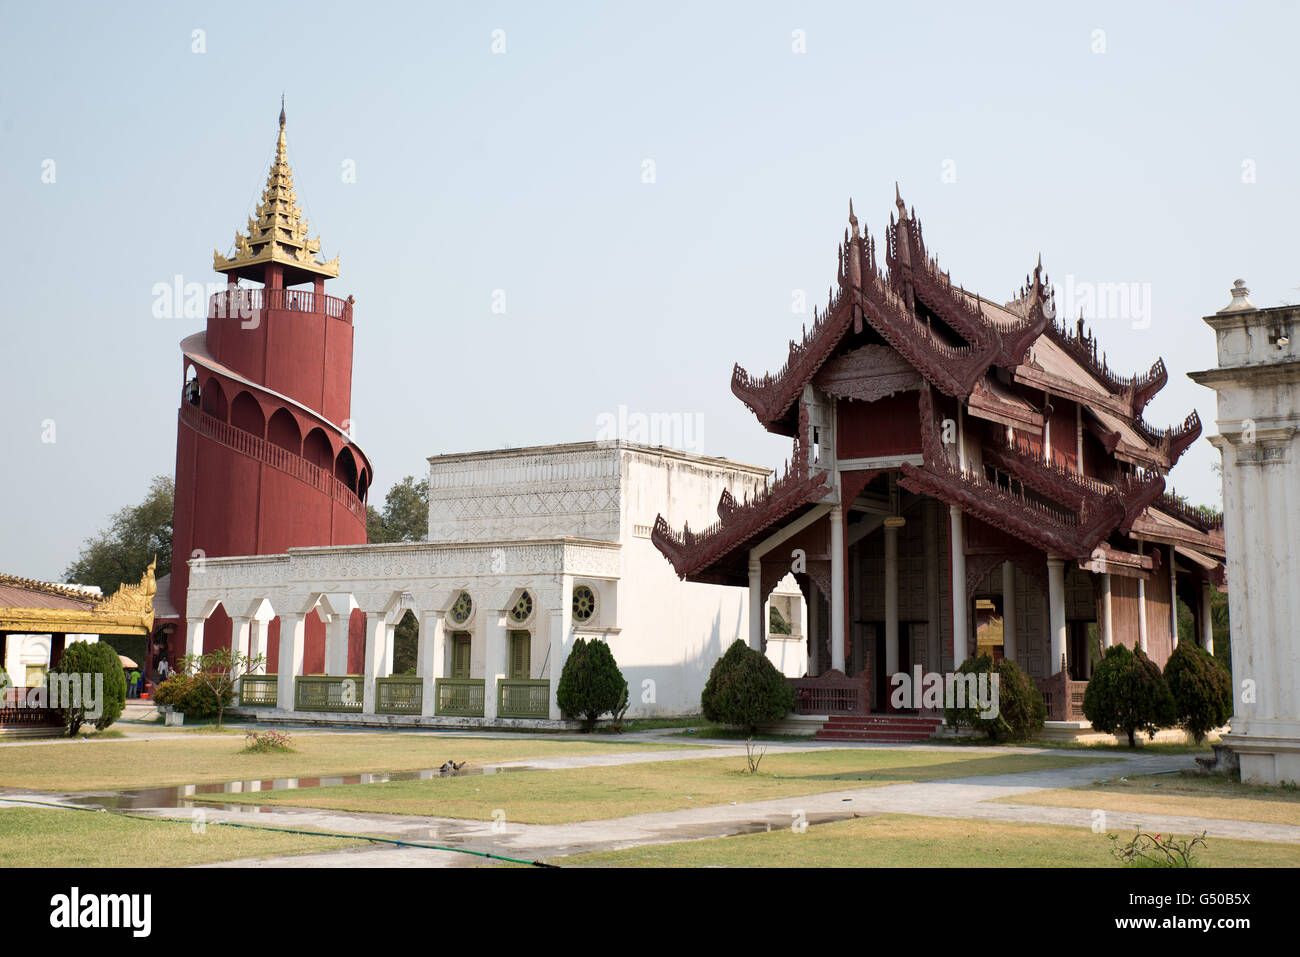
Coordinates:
[186,794]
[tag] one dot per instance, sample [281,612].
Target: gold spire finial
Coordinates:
[277,232]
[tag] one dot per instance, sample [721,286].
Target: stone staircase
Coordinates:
[879,728]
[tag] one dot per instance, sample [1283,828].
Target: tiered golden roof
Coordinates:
[277,233]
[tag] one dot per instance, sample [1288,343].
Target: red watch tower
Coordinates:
[264,459]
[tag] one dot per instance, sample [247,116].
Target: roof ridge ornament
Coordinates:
[277,231]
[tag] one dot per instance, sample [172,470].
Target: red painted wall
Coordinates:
[889,426]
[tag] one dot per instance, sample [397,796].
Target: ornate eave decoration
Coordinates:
[128,611]
[277,232]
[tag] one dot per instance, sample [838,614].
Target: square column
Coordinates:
[494,661]
[892,524]
[1056,612]
[430,658]
[194,636]
[1207,629]
[755,604]
[239,637]
[815,664]
[1142,607]
[960,606]
[257,644]
[1009,610]
[378,633]
[561,622]
[336,644]
[1173,599]
[837,588]
[293,630]
[1107,626]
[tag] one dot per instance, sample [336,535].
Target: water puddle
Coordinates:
[185,795]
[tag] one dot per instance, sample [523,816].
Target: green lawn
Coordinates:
[1188,793]
[200,758]
[45,837]
[900,840]
[581,794]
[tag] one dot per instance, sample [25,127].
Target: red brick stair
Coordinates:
[879,728]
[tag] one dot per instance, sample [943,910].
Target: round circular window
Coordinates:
[523,608]
[584,603]
[462,608]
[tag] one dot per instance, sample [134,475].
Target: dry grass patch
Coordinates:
[900,840]
[45,837]
[202,758]
[1188,794]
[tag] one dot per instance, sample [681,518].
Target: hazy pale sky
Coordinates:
[1146,144]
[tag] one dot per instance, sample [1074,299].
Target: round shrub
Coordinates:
[745,690]
[1128,694]
[1020,712]
[82,658]
[591,683]
[1201,688]
[189,696]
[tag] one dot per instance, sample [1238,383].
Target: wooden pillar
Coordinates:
[1056,612]
[1106,625]
[57,645]
[1207,625]
[892,524]
[1009,611]
[837,588]
[1142,607]
[815,664]
[960,606]
[1173,600]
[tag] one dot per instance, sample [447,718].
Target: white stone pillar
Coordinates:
[756,622]
[293,631]
[258,647]
[389,643]
[960,606]
[1056,611]
[561,624]
[429,655]
[336,644]
[1207,627]
[1107,621]
[239,637]
[378,633]
[892,524]
[494,660]
[1009,611]
[194,636]
[837,588]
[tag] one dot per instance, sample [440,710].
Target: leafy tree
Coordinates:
[776,623]
[1127,693]
[135,535]
[405,517]
[745,690]
[1021,712]
[1201,688]
[591,683]
[90,658]
[219,672]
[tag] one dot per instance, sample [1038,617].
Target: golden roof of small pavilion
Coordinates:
[277,232]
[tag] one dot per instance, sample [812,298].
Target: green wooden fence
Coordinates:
[524,698]
[459,696]
[398,695]
[342,693]
[258,691]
